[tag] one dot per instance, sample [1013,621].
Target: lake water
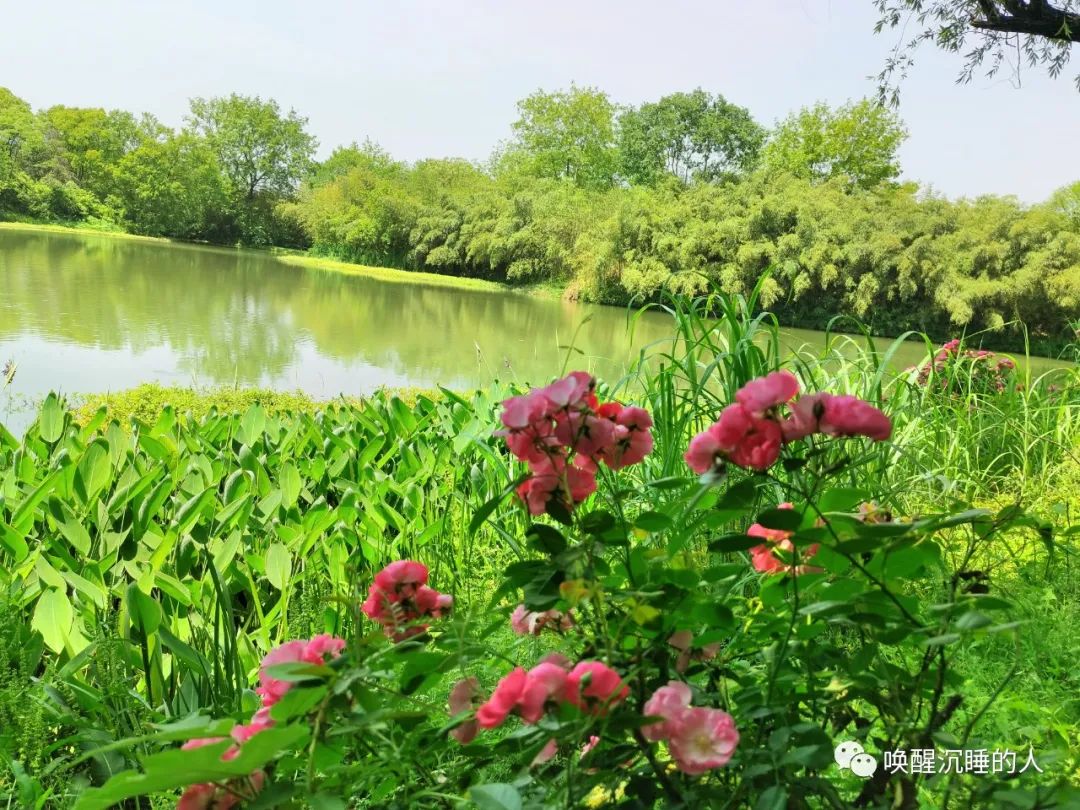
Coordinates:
[86,313]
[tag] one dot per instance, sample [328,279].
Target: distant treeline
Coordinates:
[615,204]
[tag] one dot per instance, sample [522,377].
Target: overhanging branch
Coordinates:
[1035,17]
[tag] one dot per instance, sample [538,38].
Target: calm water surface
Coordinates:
[85,313]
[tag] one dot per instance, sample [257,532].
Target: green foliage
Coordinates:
[566,134]
[173,188]
[818,207]
[907,639]
[855,143]
[260,149]
[691,136]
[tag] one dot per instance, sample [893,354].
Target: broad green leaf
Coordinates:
[278,566]
[495,796]
[51,419]
[13,542]
[53,618]
[188,514]
[144,611]
[174,769]
[290,484]
[92,473]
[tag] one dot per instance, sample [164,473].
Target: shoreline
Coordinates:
[306,261]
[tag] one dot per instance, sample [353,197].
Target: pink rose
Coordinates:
[764,393]
[760,447]
[322,646]
[702,739]
[550,749]
[462,698]
[594,686]
[682,640]
[570,392]
[270,689]
[525,411]
[835,416]
[197,797]
[400,579]
[739,436]
[592,742]
[315,651]
[668,703]
[764,559]
[503,700]
[704,451]
[772,535]
[850,416]
[544,683]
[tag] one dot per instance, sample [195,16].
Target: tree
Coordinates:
[689,135]
[346,158]
[259,149]
[88,143]
[568,134]
[987,32]
[856,142]
[22,143]
[173,188]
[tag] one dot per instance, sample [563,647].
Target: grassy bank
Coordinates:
[146,402]
[97,228]
[299,259]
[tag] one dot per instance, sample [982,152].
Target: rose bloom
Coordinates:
[682,640]
[667,702]
[503,700]
[702,739]
[594,686]
[544,683]
[835,416]
[765,393]
[764,559]
[738,436]
[400,579]
[461,700]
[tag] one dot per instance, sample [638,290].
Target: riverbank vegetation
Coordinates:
[151,559]
[613,204]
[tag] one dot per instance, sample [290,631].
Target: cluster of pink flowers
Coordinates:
[527,622]
[751,431]
[399,597]
[592,686]
[764,557]
[563,434]
[699,738]
[989,372]
[212,796]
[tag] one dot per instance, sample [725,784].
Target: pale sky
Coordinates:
[438,78]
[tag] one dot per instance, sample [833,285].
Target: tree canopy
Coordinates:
[856,143]
[690,136]
[567,134]
[259,148]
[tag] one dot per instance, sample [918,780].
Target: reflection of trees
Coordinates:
[235,315]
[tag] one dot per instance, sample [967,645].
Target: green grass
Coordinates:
[92,226]
[146,402]
[392,275]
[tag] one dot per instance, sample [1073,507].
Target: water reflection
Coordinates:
[94,313]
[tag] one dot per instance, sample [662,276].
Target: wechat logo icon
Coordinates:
[850,755]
